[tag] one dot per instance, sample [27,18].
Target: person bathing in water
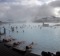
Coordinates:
[29,46]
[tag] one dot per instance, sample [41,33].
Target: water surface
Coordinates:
[46,38]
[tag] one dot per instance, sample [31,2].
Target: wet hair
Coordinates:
[57,53]
[27,47]
[43,53]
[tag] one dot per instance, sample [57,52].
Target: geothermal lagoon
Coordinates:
[45,38]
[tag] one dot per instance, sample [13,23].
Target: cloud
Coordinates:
[27,2]
[55,3]
[9,0]
[25,10]
[43,12]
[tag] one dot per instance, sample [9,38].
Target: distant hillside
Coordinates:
[51,19]
[3,22]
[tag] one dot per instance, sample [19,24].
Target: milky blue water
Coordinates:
[46,38]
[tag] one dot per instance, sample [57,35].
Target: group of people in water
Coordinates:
[13,29]
[16,43]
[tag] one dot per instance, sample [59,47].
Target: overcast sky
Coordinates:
[28,10]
